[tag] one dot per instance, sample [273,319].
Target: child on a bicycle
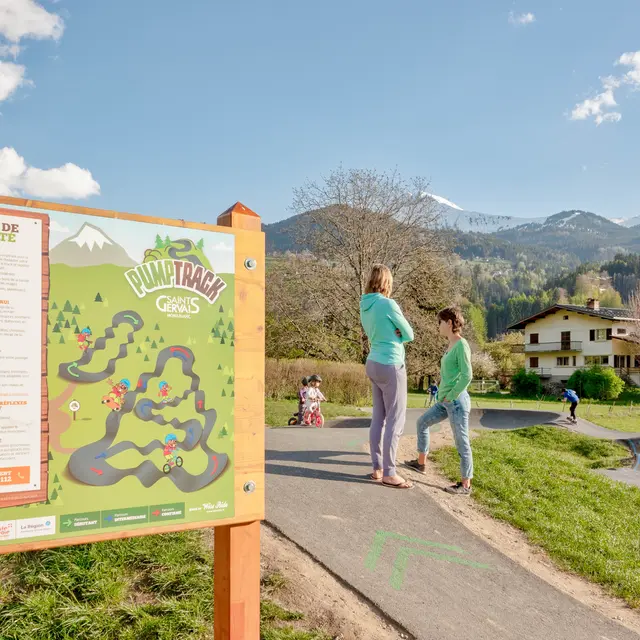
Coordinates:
[314,398]
[170,446]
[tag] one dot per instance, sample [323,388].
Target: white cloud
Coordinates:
[521,19]
[599,106]
[67,181]
[11,78]
[10,50]
[27,19]
[54,225]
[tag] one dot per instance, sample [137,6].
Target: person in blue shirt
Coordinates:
[572,397]
[433,393]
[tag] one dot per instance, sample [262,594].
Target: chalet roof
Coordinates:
[605,313]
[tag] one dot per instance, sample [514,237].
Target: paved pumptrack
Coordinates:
[89,463]
[402,551]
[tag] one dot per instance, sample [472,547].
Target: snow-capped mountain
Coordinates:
[88,248]
[630,222]
[454,217]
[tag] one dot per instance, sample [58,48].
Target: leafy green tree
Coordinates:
[526,384]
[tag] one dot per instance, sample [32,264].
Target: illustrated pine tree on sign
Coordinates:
[138,350]
[230,327]
[146,358]
[74,321]
[76,311]
[221,309]
[61,339]
[157,327]
[159,242]
[76,330]
[54,307]
[56,328]
[67,325]
[224,393]
[210,339]
[154,345]
[98,298]
[56,480]
[230,380]
[67,307]
[161,339]
[48,321]
[167,241]
[223,432]
[200,244]
[219,367]
[147,339]
[222,341]
[60,317]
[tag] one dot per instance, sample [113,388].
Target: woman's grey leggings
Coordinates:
[389,384]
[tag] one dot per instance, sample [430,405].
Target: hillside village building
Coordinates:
[564,337]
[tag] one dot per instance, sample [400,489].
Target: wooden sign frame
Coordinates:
[237,539]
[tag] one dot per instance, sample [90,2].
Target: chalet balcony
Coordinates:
[543,373]
[548,347]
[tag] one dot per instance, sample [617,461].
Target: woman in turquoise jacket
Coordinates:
[387,330]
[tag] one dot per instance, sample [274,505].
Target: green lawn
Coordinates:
[542,481]
[278,412]
[620,417]
[151,588]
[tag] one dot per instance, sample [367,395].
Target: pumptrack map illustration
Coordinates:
[90,464]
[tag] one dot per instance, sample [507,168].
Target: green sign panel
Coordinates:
[140,357]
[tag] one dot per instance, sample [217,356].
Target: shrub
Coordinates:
[599,383]
[526,384]
[343,383]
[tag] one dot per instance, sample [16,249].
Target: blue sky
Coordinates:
[180,109]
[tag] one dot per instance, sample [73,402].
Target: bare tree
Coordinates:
[355,218]
[634,307]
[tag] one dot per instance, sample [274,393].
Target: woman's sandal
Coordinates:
[374,478]
[402,485]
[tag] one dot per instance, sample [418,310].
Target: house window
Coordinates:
[621,331]
[533,338]
[566,317]
[565,341]
[562,361]
[600,335]
[591,360]
[534,363]
[574,361]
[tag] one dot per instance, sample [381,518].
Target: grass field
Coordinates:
[278,412]
[542,481]
[151,588]
[617,417]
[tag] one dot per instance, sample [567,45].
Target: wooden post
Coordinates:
[236,582]
[237,547]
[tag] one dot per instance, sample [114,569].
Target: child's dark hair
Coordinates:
[455,315]
[305,382]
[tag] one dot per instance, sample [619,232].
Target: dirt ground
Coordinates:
[292,579]
[327,604]
[509,540]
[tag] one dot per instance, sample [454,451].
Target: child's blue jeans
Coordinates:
[458,414]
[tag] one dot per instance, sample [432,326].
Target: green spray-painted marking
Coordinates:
[402,560]
[131,318]
[375,552]
[404,553]
[73,365]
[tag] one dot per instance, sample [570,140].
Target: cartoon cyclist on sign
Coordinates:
[164,391]
[83,339]
[115,398]
[170,446]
